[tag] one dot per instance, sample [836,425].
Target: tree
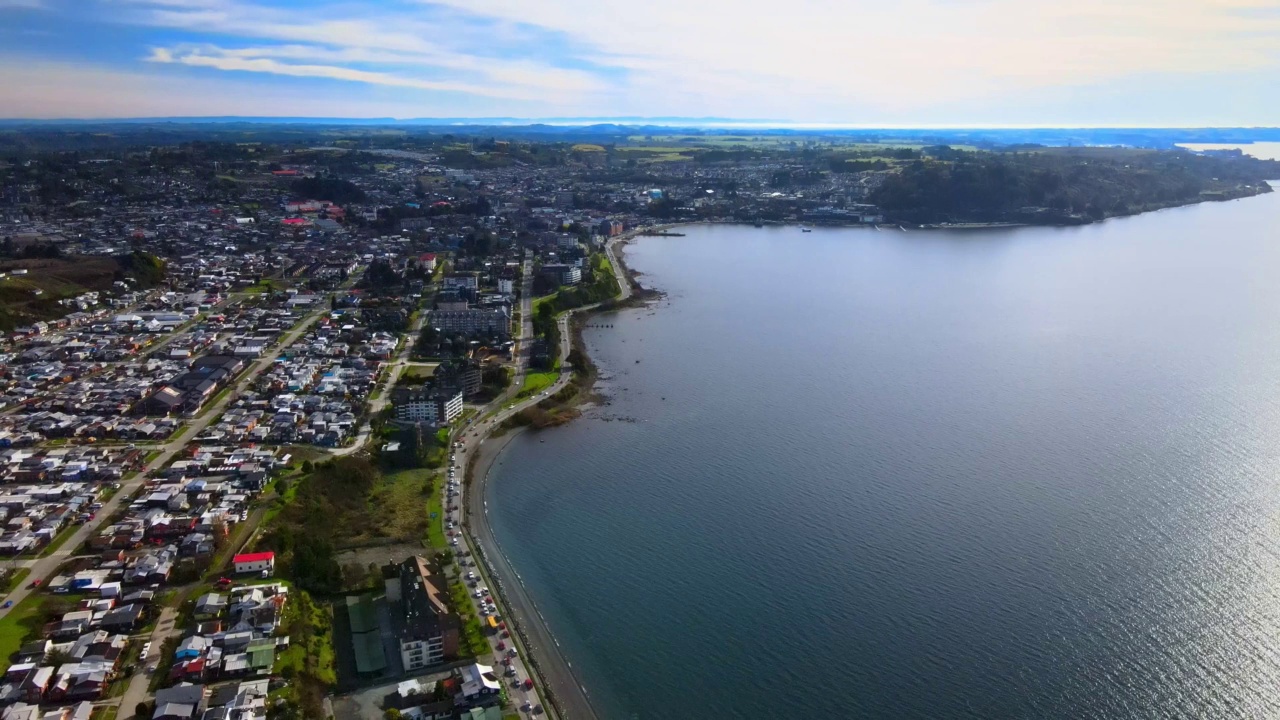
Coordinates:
[391,714]
[59,657]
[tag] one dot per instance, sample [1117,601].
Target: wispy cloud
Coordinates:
[854,61]
[22,4]
[243,61]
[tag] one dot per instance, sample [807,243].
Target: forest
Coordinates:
[1063,185]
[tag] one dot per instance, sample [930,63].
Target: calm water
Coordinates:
[1028,473]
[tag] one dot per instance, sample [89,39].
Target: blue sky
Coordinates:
[855,62]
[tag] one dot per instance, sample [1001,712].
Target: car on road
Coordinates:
[8,604]
[511,652]
[35,583]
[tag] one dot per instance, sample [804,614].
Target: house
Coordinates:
[173,711]
[210,605]
[192,646]
[477,685]
[36,684]
[256,563]
[183,694]
[123,619]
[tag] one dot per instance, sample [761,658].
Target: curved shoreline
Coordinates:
[561,686]
[564,693]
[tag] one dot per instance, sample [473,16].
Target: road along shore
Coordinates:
[570,700]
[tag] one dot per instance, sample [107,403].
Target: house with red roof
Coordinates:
[256,562]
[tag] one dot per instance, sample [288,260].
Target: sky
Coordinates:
[927,63]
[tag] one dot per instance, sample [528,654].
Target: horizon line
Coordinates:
[667,121]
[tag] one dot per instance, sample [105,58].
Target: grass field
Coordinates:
[473,640]
[535,383]
[15,580]
[435,518]
[397,503]
[419,372]
[540,301]
[16,626]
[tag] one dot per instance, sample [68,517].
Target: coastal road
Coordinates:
[553,668]
[42,568]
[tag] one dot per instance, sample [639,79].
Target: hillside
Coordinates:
[1063,185]
[27,298]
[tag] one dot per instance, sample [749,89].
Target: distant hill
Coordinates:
[34,296]
[1064,185]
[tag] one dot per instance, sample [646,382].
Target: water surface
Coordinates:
[1024,473]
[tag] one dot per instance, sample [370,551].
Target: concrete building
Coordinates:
[563,274]
[437,406]
[428,633]
[473,320]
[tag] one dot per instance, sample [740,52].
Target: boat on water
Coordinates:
[805,229]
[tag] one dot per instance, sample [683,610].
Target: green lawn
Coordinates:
[15,580]
[473,640]
[540,301]
[536,382]
[17,626]
[397,502]
[435,526]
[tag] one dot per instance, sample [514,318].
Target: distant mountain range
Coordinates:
[76,133]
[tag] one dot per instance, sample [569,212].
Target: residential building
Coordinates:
[495,321]
[256,563]
[438,406]
[429,633]
[563,274]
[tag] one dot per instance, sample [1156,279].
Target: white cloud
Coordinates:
[854,61]
[336,41]
[22,4]
[904,54]
[33,89]
[221,61]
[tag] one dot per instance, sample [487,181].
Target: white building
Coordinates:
[429,406]
[472,320]
[256,563]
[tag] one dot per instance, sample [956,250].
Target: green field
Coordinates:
[535,383]
[17,626]
[397,502]
[540,301]
[473,640]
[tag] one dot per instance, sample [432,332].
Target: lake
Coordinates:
[1019,473]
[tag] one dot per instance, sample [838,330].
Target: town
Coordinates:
[237,379]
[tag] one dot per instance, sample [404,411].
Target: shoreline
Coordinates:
[560,686]
[565,693]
